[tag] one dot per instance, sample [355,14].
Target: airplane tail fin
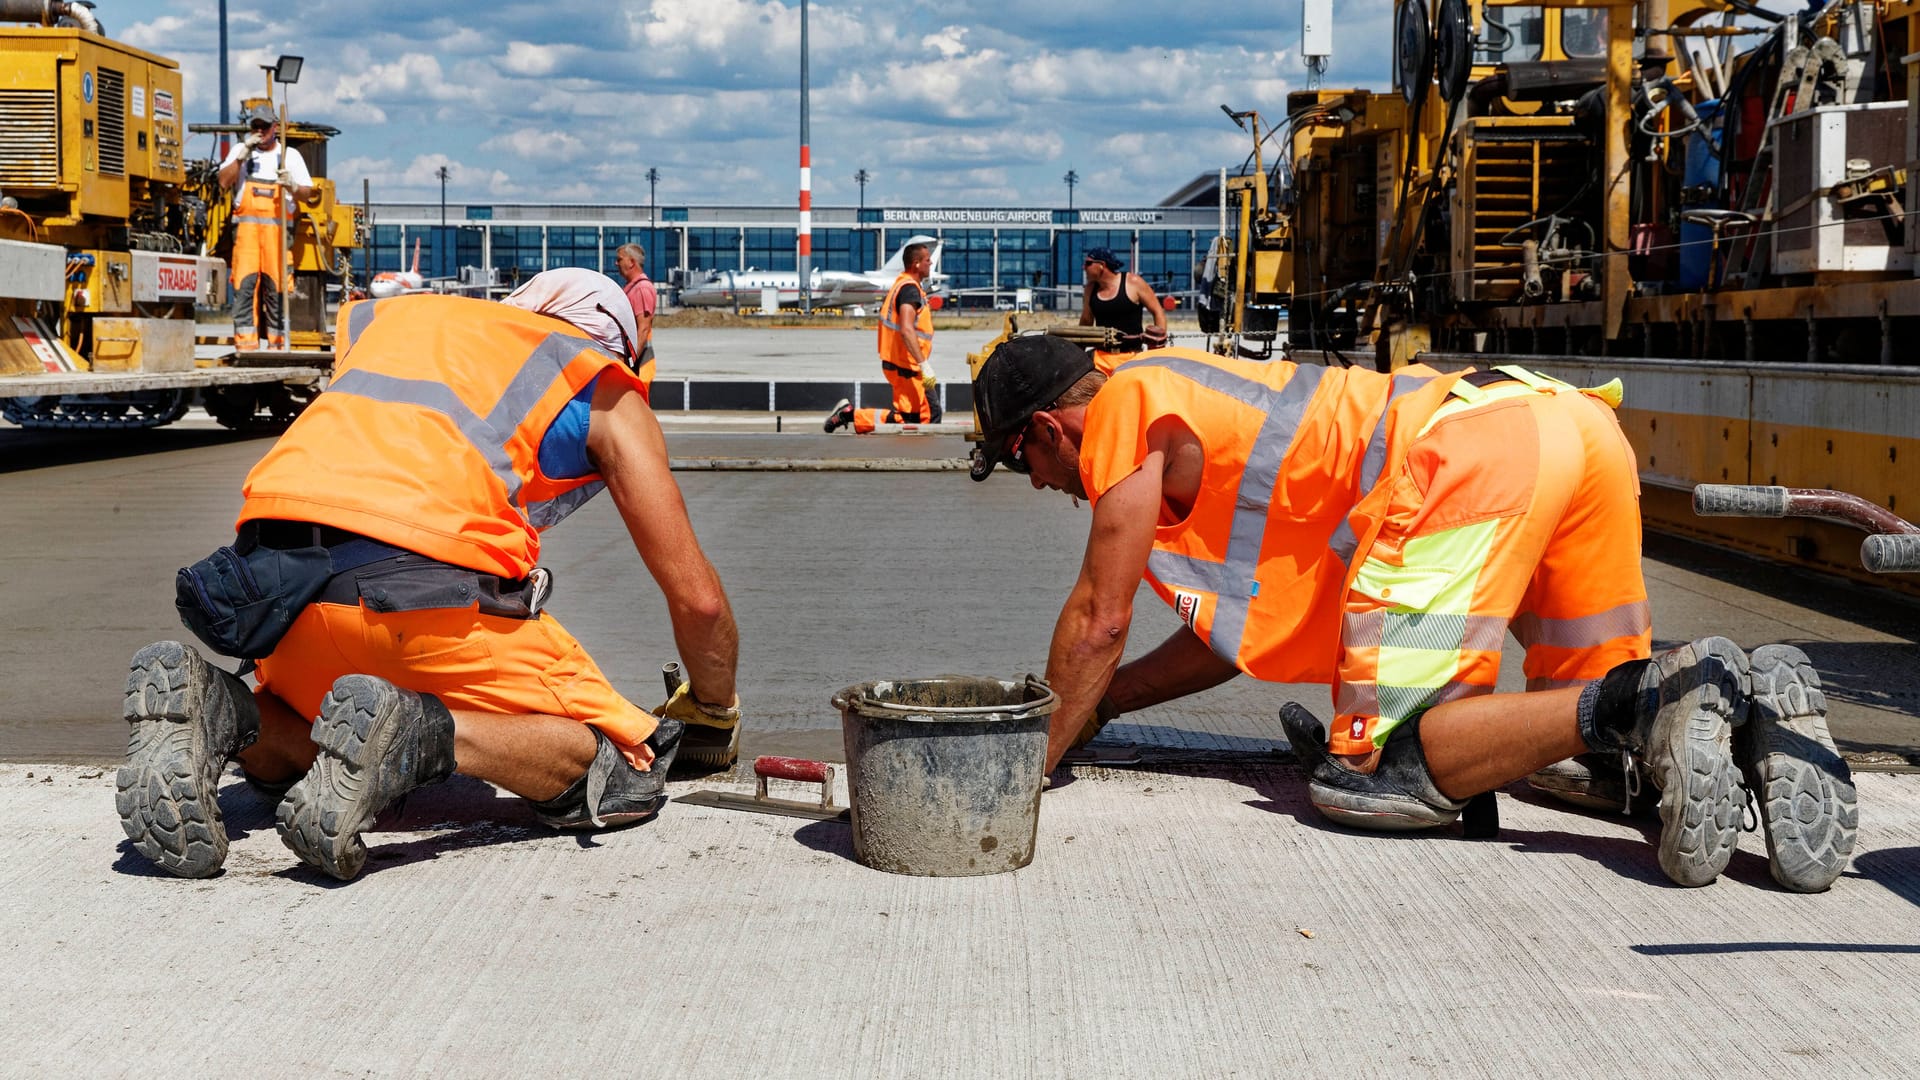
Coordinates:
[898,263]
[416,255]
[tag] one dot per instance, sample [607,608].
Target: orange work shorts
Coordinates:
[482,663]
[1521,513]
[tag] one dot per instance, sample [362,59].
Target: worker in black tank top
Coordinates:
[1122,301]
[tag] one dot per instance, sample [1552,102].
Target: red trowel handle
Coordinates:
[790,768]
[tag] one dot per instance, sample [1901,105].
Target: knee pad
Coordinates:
[612,793]
[1398,796]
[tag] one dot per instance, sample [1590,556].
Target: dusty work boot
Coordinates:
[1677,712]
[1805,790]
[377,742]
[187,719]
[612,793]
[1592,781]
[841,416]
[1398,796]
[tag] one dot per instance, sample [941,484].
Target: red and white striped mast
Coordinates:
[806,179]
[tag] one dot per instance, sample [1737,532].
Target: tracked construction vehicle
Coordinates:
[105,225]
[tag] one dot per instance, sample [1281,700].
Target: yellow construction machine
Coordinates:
[1709,199]
[103,230]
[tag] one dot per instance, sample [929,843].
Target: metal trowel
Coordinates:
[779,768]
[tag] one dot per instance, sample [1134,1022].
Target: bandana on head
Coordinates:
[588,300]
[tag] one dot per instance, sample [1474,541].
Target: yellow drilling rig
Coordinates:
[104,231]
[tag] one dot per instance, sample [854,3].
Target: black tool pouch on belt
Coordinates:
[241,599]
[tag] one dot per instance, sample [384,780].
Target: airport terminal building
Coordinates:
[988,252]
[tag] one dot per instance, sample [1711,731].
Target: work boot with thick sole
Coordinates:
[841,416]
[187,719]
[1595,781]
[612,793]
[377,742]
[1691,698]
[1808,807]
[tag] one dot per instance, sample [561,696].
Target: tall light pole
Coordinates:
[806,179]
[439,241]
[860,220]
[225,95]
[653,215]
[1071,179]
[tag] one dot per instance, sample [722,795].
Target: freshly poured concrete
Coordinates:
[1177,921]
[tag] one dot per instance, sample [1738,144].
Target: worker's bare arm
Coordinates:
[1092,631]
[1086,304]
[1144,295]
[1178,666]
[626,446]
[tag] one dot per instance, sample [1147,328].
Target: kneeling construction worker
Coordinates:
[267,178]
[1382,534]
[906,352]
[386,576]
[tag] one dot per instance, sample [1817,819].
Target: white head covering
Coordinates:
[588,300]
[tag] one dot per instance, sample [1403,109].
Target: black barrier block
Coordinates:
[959,397]
[875,395]
[809,396]
[669,396]
[728,396]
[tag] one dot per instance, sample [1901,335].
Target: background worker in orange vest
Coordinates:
[394,531]
[906,351]
[267,178]
[1382,534]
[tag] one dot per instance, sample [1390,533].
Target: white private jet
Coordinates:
[831,288]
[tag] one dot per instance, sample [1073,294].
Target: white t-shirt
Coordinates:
[265,167]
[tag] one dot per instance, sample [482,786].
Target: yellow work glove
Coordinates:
[681,705]
[928,383]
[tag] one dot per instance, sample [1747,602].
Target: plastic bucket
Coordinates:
[944,774]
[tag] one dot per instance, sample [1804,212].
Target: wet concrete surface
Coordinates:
[835,578]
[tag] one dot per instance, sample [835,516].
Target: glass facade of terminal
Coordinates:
[975,259]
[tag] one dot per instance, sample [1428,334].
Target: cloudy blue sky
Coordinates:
[961,103]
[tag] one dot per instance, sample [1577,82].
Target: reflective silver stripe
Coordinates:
[895,327]
[360,319]
[1587,631]
[489,436]
[1398,703]
[1423,630]
[1374,462]
[545,515]
[249,219]
[1232,580]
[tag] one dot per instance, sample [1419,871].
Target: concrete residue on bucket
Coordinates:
[944,774]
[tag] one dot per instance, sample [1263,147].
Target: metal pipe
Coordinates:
[49,13]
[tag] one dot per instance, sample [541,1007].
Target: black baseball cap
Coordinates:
[1023,376]
[1104,255]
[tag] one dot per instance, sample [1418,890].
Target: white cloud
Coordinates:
[985,104]
[534,145]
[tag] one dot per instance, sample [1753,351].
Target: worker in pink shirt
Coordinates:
[632,261]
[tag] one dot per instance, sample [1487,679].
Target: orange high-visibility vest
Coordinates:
[1291,490]
[893,336]
[428,437]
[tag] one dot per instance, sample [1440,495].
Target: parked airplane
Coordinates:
[831,288]
[394,282]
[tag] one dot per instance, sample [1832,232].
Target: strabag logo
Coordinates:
[1186,605]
